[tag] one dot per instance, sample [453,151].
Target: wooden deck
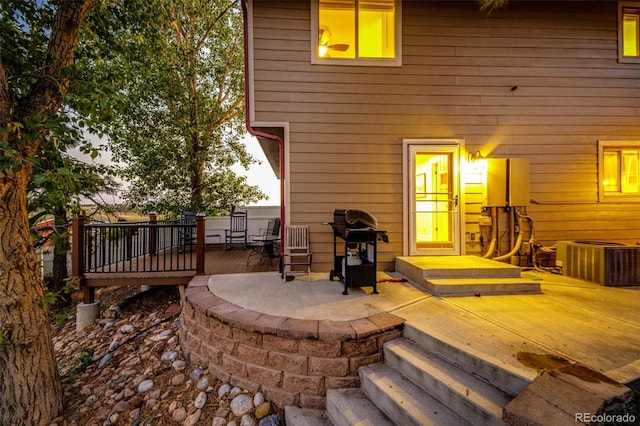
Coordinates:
[217,261]
[234,261]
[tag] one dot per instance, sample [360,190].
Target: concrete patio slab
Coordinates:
[317,298]
[596,326]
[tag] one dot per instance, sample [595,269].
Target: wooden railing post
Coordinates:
[153,233]
[200,224]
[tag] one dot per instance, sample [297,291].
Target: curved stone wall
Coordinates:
[292,361]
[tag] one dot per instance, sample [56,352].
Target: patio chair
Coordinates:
[187,233]
[263,245]
[237,232]
[296,256]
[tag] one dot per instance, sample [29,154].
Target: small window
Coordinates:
[356,32]
[619,170]
[629,31]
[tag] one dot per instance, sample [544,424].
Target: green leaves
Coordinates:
[173,74]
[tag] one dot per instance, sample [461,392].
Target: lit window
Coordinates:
[620,169]
[352,31]
[629,31]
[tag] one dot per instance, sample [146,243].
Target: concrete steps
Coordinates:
[478,401]
[480,286]
[464,276]
[426,381]
[352,407]
[503,377]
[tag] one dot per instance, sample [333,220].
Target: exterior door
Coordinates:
[434,199]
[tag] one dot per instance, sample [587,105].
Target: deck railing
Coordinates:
[137,248]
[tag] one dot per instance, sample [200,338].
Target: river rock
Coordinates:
[241,405]
[224,389]
[263,410]
[270,420]
[247,420]
[201,400]
[258,399]
[145,385]
[192,419]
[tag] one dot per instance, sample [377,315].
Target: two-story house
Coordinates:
[389,106]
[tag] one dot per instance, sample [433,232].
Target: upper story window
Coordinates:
[619,171]
[356,32]
[629,32]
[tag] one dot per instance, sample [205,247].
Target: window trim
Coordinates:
[621,7]
[367,62]
[602,146]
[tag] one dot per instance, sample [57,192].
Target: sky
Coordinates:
[260,175]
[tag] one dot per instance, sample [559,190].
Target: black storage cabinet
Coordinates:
[364,242]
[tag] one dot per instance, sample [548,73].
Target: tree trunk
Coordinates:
[60,249]
[30,387]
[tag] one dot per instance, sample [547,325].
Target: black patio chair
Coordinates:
[187,232]
[263,246]
[237,232]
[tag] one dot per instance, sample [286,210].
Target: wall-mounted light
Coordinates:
[475,156]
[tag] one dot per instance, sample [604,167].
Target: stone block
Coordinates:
[292,363]
[252,338]
[358,361]
[386,321]
[244,383]
[218,328]
[219,371]
[280,397]
[252,354]
[266,324]
[335,330]
[294,328]
[342,382]
[279,344]
[241,318]
[264,375]
[303,383]
[234,366]
[211,353]
[360,347]
[364,328]
[312,347]
[328,366]
[222,310]
[387,336]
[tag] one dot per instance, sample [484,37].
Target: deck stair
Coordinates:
[426,380]
[464,276]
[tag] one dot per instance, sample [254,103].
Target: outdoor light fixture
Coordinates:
[476,156]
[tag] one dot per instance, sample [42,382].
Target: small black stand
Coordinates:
[359,269]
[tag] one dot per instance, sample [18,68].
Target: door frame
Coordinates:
[407,185]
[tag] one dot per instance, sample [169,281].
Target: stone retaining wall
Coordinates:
[292,361]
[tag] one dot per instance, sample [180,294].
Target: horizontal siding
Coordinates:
[538,80]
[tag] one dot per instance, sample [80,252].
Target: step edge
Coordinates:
[416,411]
[506,377]
[483,399]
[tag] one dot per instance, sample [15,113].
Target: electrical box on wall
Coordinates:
[506,183]
[494,187]
[519,182]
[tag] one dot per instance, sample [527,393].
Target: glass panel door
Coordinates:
[434,204]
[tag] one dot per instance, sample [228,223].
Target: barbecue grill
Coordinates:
[356,266]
